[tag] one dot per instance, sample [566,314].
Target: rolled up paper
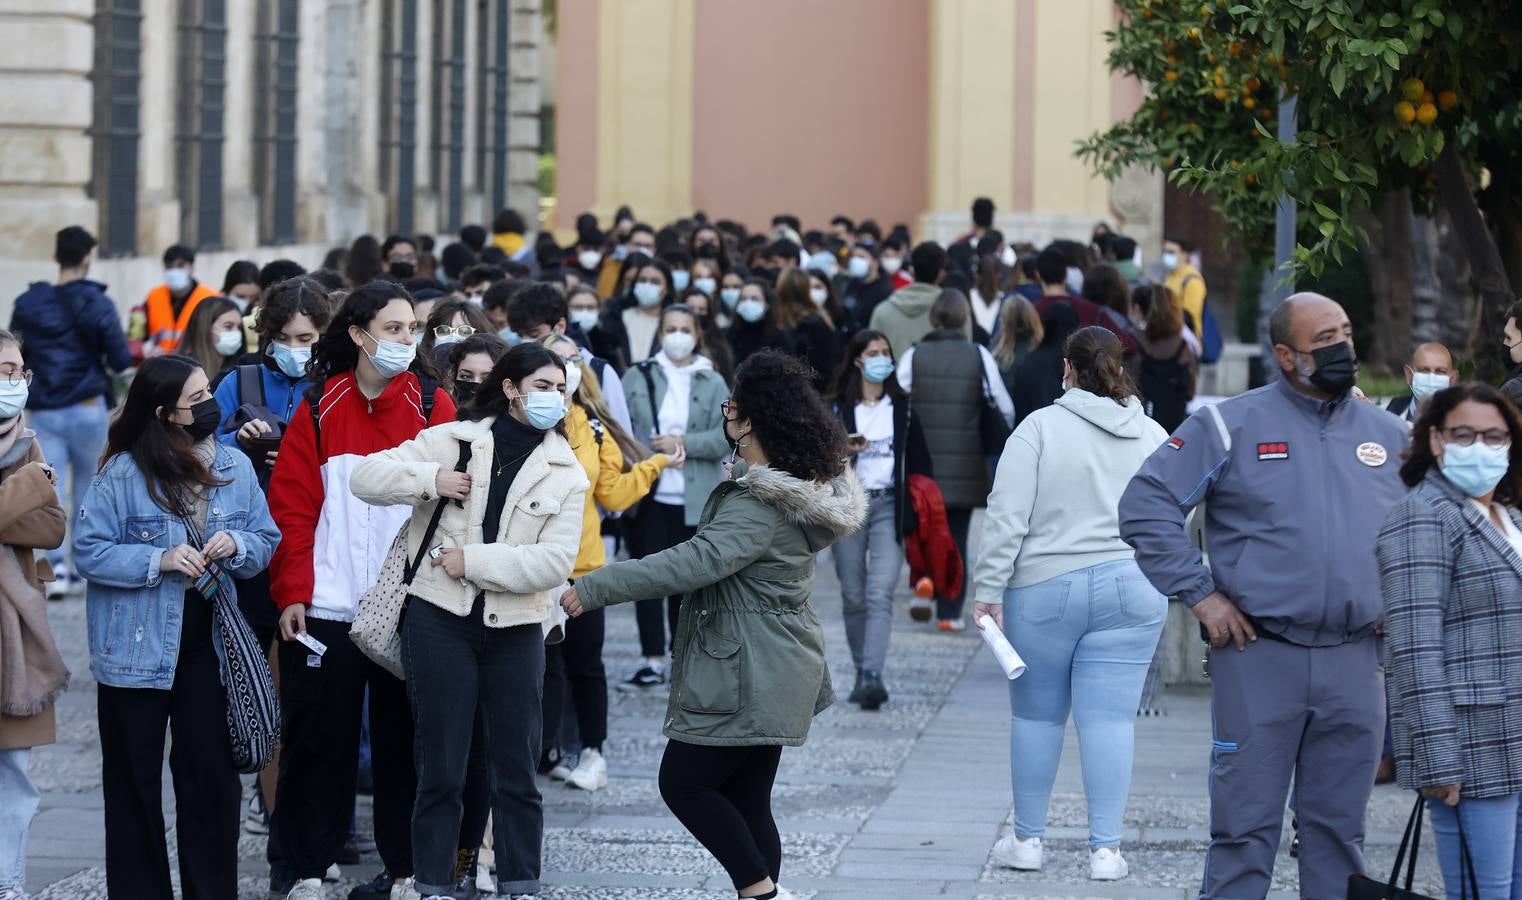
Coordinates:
[1009,660]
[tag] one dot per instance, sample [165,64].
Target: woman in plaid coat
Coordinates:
[1450,566]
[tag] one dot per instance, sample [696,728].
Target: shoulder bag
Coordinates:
[1362,887]
[993,431]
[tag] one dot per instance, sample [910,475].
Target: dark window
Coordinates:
[201,85]
[275,82]
[398,110]
[116,76]
[500,113]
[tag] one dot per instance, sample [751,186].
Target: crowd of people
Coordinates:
[483,448]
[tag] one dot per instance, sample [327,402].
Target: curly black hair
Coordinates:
[794,424]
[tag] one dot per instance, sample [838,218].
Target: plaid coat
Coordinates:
[1452,588]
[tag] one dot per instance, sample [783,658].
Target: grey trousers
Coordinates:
[868,564]
[1316,714]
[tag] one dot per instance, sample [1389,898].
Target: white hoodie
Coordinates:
[1053,505]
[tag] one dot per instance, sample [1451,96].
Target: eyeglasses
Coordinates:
[18,377]
[463,331]
[727,407]
[1464,436]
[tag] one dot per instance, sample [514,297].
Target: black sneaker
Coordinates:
[465,875]
[377,888]
[856,691]
[646,677]
[873,693]
[282,879]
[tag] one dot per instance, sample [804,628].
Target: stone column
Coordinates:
[240,202]
[158,201]
[524,103]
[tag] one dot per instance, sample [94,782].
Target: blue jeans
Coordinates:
[868,564]
[1088,638]
[72,441]
[18,803]
[1490,828]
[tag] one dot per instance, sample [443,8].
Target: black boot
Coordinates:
[465,874]
[873,693]
[856,691]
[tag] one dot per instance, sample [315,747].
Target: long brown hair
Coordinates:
[1095,355]
[590,398]
[1018,322]
[1165,315]
[198,342]
[164,452]
[793,304]
[1419,458]
[848,378]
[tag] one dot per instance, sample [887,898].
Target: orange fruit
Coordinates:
[1250,103]
[1427,96]
[1426,113]
[1170,75]
[1447,100]
[1252,85]
[1222,94]
[1251,179]
[1194,34]
[1405,112]
[1220,80]
[1234,48]
[1412,89]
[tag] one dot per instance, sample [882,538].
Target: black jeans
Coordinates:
[576,664]
[319,756]
[723,795]
[659,526]
[207,793]
[959,521]
[456,666]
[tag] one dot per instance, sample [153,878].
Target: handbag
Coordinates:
[1362,887]
[993,431]
[377,626]
[253,707]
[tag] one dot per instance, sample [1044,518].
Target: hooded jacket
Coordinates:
[1059,482]
[69,334]
[904,318]
[748,660]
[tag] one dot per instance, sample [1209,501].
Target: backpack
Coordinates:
[1209,331]
[1164,383]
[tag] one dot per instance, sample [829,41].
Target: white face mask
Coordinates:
[678,345]
[572,377]
[1007,257]
[585,319]
[229,342]
[1425,384]
[859,266]
[891,264]
[589,259]
[177,279]
[819,295]
[1170,261]
[12,398]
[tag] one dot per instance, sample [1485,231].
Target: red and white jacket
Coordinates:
[332,544]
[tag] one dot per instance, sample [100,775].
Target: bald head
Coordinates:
[1303,320]
[1433,358]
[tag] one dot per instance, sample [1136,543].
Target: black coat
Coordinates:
[816,343]
[746,338]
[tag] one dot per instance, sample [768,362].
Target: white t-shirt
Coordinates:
[874,465]
[641,329]
[985,313]
[1507,529]
[676,408]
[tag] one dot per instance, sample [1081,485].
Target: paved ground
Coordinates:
[901,803]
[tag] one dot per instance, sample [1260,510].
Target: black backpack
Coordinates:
[1165,384]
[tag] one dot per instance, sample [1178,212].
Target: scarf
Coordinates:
[32,673]
[10,432]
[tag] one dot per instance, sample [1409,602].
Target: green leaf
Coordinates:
[1339,78]
[1389,20]
[1240,9]
[1436,18]
[1392,59]
[1455,26]
[1323,210]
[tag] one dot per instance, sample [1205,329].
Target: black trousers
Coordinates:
[723,795]
[959,521]
[573,669]
[659,526]
[319,758]
[207,793]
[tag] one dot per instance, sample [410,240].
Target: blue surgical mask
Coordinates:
[291,360]
[510,336]
[391,358]
[859,266]
[705,284]
[447,339]
[647,294]
[750,310]
[730,296]
[1475,469]
[1170,261]
[543,409]
[1425,384]
[680,278]
[177,279]
[12,398]
[585,319]
[877,369]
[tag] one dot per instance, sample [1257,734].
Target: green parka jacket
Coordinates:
[749,667]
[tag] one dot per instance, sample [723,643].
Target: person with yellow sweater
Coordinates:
[602,447]
[507,231]
[1184,280]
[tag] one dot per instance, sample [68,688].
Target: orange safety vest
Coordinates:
[163,329]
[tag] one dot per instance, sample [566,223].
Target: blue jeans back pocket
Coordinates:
[1044,603]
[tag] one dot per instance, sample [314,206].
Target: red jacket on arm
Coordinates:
[332,544]
[929,549]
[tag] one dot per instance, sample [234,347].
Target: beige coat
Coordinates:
[30,518]
[523,566]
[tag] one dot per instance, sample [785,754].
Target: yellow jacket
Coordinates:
[510,242]
[612,487]
[1188,285]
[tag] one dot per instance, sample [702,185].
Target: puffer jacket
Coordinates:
[69,333]
[540,532]
[749,666]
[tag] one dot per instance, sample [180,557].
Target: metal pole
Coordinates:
[1273,292]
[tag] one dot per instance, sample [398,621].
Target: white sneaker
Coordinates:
[785,894]
[484,882]
[563,768]
[404,890]
[334,873]
[1017,853]
[12,893]
[591,773]
[1106,864]
[308,889]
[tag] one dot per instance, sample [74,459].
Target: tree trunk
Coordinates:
[1389,256]
[1426,287]
[1457,307]
[1457,196]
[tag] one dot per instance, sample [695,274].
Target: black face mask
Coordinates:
[1336,368]
[403,270]
[207,417]
[465,391]
[708,250]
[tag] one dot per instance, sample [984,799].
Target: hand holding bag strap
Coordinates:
[433,522]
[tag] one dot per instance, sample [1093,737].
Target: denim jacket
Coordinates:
[133,607]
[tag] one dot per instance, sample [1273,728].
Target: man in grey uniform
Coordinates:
[1297,478]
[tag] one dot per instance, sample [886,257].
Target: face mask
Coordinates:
[891,264]
[621,252]
[543,409]
[680,279]
[677,345]
[1425,384]
[877,369]
[708,250]
[750,310]
[585,319]
[239,302]
[291,360]
[1336,368]
[465,391]
[12,399]
[589,259]
[403,270]
[178,280]
[819,296]
[1475,469]
[822,262]
[1007,257]
[730,296]
[706,285]
[510,336]
[391,358]
[859,266]
[229,342]
[1075,282]
[647,294]
[446,340]
[207,416]
[572,378]
[1170,261]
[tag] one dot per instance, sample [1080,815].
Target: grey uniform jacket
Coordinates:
[1293,511]
[1453,624]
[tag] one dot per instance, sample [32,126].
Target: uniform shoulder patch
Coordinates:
[1273,450]
[1176,443]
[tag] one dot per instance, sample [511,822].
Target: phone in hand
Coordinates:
[856,437]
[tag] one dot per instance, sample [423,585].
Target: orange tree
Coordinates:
[1417,94]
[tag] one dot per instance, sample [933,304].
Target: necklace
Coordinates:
[495,458]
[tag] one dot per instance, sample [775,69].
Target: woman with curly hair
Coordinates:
[749,671]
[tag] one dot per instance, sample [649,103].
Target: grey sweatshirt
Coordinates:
[1293,510]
